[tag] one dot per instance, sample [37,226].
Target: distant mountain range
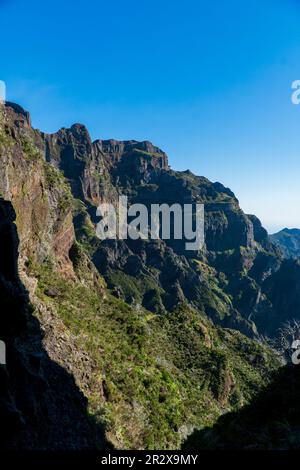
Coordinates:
[289,242]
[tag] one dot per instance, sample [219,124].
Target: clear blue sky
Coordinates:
[207,81]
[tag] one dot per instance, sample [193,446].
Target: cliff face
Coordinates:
[130,331]
[91,167]
[39,400]
[39,194]
[36,222]
[225,281]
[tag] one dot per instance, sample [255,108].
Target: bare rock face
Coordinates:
[66,327]
[238,250]
[17,116]
[99,172]
[90,166]
[132,162]
[37,191]
[39,400]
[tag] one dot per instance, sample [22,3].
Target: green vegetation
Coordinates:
[269,422]
[59,187]
[31,152]
[161,376]
[6,141]
[132,287]
[147,154]
[149,359]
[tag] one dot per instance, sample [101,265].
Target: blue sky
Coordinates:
[207,81]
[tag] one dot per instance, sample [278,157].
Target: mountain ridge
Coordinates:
[153,336]
[288,240]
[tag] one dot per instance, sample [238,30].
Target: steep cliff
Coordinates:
[136,329]
[225,281]
[41,407]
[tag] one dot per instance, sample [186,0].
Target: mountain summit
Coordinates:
[151,341]
[288,240]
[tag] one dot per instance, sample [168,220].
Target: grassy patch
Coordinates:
[161,375]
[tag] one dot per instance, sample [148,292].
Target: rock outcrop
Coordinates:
[224,281]
[144,336]
[41,407]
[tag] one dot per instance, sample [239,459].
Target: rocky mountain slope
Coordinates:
[150,338]
[288,240]
[229,281]
[34,388]
[270,422]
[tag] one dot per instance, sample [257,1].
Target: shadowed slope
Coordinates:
[40,405]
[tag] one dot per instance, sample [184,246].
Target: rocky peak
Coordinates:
[238,282]
[16,114]
[132,158]
[288,240]
[119,147]
[86,163]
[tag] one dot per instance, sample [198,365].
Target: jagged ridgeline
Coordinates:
[131,343]
[288,241]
